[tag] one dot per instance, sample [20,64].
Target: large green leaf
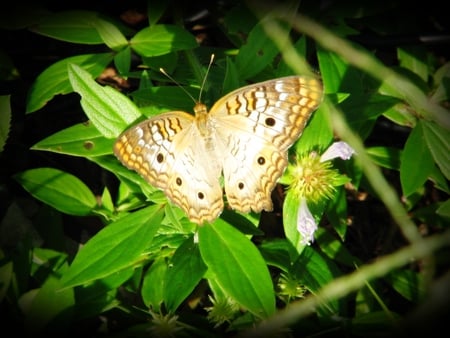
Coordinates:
[114,248]
[61,190]
[162,39]
[238,267]
[110,111]
[54,80]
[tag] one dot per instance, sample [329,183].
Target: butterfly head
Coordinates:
[200,109]
[201,119]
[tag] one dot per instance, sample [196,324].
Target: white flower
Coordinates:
[306,225]
[337,149]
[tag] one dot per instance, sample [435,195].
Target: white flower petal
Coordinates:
[337,149]
[306,225]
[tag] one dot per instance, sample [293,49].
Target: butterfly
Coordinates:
[244,139]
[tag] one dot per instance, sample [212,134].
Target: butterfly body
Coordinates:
[244,137]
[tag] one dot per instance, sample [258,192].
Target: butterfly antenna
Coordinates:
[171,78]
[204,78]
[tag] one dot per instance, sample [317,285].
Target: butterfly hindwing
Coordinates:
[251,169]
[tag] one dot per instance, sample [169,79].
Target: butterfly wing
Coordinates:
[256,125]
[171,155]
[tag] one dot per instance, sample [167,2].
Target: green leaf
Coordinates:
[136,191]
[61,190]
[416,162]
[437,139]
[256,54]
[334,248]
[116,247]
[315,271]
[231,79]
[283,68]
[5,119]
[408,283]
[238,267]
[82,139]
[400,113]
[186,269]
[239,21]
[71,26]
[54,80]
[363,110]
[333,69]
[162,39]
[133,180]
[337,215]
[413,58]
[110,34]
[317,134]
[122,61]
[279,253]
[153,284]
[110,111]
[97,298]
[290,208]
[166,97]
[386,157]
[107,201]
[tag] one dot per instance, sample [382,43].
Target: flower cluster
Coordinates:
[164,325]
[221,311]
[290,288]
[312,180]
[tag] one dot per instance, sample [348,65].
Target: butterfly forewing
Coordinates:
[276,110]
[245,135]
